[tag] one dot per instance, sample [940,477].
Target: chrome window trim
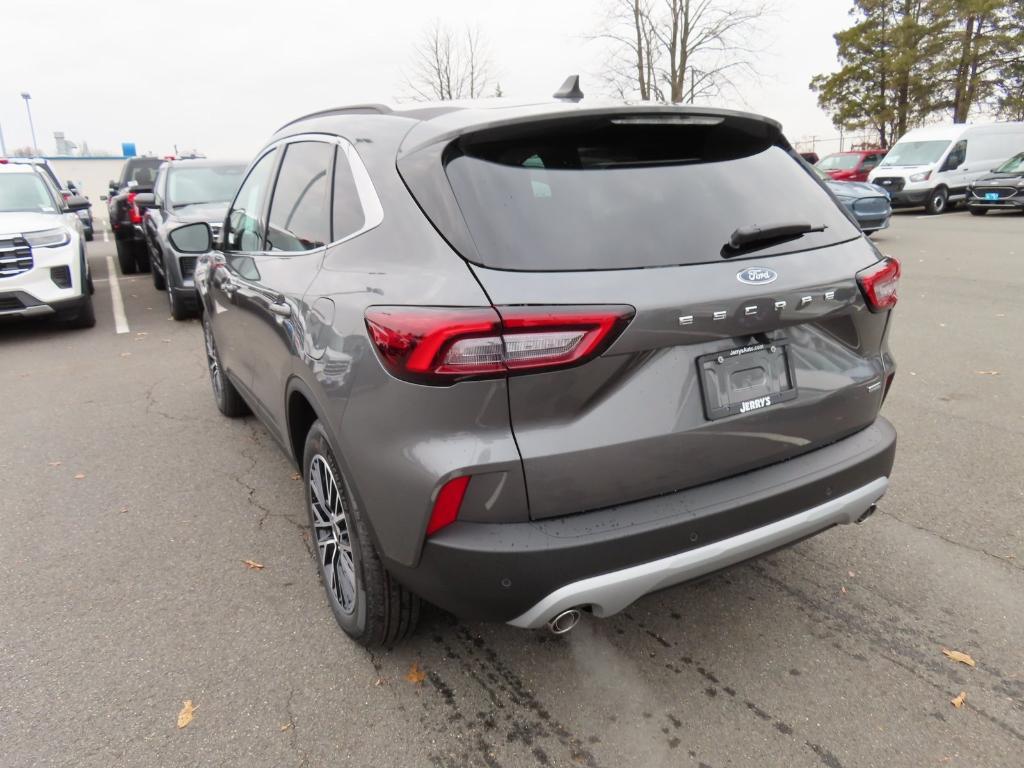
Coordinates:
[373,211]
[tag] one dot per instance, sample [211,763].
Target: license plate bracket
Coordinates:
[746,379]
[991,195]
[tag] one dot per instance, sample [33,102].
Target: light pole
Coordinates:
[27,97]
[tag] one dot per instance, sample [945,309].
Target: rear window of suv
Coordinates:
[629,192]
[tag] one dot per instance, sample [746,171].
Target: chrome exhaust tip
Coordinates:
[870,511]
[564,622]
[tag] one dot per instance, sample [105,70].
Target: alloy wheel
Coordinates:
[330,524]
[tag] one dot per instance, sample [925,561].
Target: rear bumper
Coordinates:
[525,573]
[609,593]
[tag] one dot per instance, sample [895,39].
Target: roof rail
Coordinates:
[354,109]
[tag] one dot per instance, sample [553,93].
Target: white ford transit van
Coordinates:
[932,166]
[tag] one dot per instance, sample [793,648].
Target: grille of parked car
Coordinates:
[871,205]
[892,183]
[15,256]
[1003,192]
[188,266]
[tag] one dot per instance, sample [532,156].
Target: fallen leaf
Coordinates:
[416,675]
[126,354]
[142,333]
[286,726]
[253,565]
[54,463]
[185,716]
[852,574]
[987,373]
[959,700]
[124,508]
[79,476]
[844,590]
[296,475]
[963,658]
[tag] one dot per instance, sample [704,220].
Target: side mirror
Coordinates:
[192,238]
[103,198]
[145,199]
[77,203]
[111,185]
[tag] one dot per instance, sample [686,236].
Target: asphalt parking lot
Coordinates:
[129,504]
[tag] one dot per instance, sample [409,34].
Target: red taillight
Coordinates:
[133,210]
[447,503]
[442,345]
[879,283]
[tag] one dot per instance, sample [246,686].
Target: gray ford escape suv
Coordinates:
[533,360]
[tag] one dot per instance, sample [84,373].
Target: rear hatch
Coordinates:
[735,357]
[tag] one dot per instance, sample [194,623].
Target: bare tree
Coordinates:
[680,50]
[449,65]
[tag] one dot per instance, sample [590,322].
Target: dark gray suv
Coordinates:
[539,360]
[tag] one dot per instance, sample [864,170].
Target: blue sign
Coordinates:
[128,149]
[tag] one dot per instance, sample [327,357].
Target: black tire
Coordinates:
[88,236]
[125,257]
[229,402]
[141,255]
[977,211]
[180,309]
[379,610]
[159,277]
[84,316]
[938,201]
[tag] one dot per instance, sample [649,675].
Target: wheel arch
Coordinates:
[300,413]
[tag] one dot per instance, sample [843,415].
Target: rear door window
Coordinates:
[631,192]
[300,218]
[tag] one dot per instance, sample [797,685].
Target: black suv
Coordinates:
[535,361]
[127,201]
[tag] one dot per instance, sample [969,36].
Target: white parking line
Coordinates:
[120,319]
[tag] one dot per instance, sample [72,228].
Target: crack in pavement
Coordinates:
[979,550]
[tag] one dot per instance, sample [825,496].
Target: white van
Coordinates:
[932,166]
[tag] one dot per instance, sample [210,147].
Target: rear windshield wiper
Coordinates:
[753,237]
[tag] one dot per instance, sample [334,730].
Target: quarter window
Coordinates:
[299,211]
[245,228]
[347,209]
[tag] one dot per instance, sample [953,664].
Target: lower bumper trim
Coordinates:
[610,593]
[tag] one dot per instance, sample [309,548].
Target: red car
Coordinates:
[851,166]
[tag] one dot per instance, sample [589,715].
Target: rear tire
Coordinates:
[938,201]
[978,211]
[141,255]
[368,603]
[125,257]
[229,402]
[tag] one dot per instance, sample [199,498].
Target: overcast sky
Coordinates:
[222,76]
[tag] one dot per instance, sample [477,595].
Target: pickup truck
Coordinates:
[127,202]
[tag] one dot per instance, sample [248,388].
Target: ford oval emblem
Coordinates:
[757,276]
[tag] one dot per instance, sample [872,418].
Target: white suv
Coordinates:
[43,269]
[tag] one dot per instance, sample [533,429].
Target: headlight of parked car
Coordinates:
[921,176]
[48,238]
